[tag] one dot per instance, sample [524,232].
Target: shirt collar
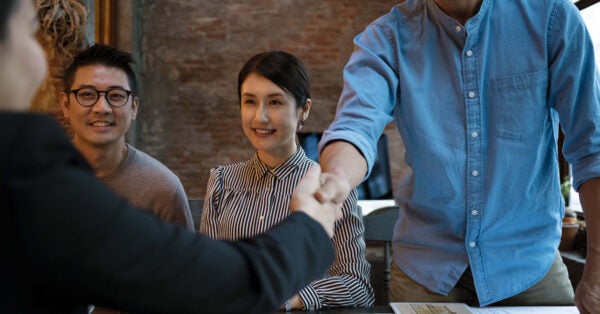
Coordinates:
[451,24]
[281,171]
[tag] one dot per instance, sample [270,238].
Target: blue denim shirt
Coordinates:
[478,108]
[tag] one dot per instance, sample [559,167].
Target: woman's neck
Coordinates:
[274,160]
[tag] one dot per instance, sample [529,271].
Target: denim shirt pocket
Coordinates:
[518,105]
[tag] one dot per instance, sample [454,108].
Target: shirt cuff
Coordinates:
[310,298]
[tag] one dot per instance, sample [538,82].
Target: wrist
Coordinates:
[293,303]
[287,306]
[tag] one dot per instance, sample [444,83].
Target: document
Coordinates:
[430,308]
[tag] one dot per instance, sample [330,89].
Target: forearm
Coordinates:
[97,250]
[587,295]
[168,269]
[343,155]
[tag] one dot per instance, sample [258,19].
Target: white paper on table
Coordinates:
[430,308]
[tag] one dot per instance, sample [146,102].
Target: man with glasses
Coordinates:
[100,102]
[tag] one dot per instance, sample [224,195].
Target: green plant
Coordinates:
[565,189]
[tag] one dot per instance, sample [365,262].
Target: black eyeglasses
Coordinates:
[87,96]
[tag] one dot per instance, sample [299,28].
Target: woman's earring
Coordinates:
[300,125]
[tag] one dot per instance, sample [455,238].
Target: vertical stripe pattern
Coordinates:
[248,198]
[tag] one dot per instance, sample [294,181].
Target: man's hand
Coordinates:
[332,191]
[334,186]
[587,295]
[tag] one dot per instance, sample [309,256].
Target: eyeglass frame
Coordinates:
[75,91]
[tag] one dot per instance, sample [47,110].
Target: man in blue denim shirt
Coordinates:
[476,89]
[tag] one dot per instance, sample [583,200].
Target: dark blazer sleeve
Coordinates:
[82,242]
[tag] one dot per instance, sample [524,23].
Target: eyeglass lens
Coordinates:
[88,97]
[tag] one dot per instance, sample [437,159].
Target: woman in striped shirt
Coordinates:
[248,198]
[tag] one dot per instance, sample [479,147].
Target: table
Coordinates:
[476,310]
[345,310]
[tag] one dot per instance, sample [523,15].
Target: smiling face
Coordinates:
[270,118]
[100,125]
[22,59]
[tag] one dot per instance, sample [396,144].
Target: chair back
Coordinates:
[196,210]
[379,227]
[379,224]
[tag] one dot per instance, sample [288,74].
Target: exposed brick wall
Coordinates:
[191,52]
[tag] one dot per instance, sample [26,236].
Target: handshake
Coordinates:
[321,196]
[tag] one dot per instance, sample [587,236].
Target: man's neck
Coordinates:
[460,10]
[103,159]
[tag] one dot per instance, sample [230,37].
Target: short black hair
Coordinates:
[7,8]
[99,54]
[281,68]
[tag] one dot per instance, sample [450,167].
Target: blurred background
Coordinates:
[188,55]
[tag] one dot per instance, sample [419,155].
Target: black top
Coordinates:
[68,241]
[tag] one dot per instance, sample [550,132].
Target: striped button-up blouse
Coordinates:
[248,198]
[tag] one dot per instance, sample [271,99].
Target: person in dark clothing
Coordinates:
[68,241]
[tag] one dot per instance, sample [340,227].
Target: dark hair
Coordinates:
[101,55]
[281,68]
[6,9]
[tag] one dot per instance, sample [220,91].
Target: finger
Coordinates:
[333,189]
[311,180]
[323,194]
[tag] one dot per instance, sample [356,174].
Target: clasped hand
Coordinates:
[321,196]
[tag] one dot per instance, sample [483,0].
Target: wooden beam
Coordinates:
[104,12]
[582,4]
